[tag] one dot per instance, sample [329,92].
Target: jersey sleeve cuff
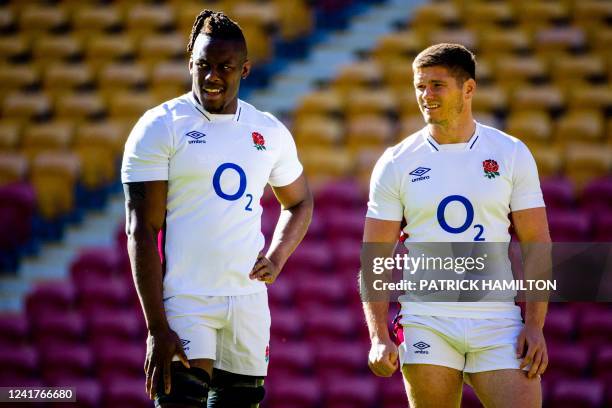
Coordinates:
[137,176]
[287,179]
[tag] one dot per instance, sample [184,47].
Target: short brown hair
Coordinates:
[460,61]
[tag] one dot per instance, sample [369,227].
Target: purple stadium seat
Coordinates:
[119,326]
[126,393]
[603,364]
[293,392]
[569,226]
[560,325]
[354,392]
[17,208]
[603,227]
[597,196]
[343,195]
[88,393]
[558,193]
[322,290]
[18,364]
[98,262]
[567,361]
[109,294]
[280,294]
[595,329]
[114,361]
[14,330]
[286,324]
[290,358]
[577,394]
[393,391]
[65,362]
[345,224]
[316,229]
[347,257]
[338,359]
[50,297]
[314,256]
[323,324]
[58,329]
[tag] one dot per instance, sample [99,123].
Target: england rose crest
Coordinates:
[491,168]
[259,141]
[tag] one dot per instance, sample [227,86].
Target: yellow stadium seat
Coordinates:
[409,125]
[295,18]
[531,126]
[13,167]
[581,125]
[489,98]
[26,106]
[263,14]
[55,48]
[106,133]
[259,42]
[559,39]
[7,18]
[503,41]
[324,164]
[18,76]
[591,97]
[51,136]
[10,135]
[361,74]
[155,48]
[397,73]
[38,19]
[477,14]
[540,13]
[318,131]
[186,13]
[325,101]
[372,101]
[365,159]
[398,44]
[592,12]
[543,97]
[368,131]
[407,103]
[54,176]
[601,39]
[462,36]
[510,70]
[61,78]
[121,76]
[585,162]
[14,46]
[549,160]
[96,19]
[145,19]
[79,106]
[129,106]
[429,17]
[169,80]
[578,68]
[102,49]
[98,164]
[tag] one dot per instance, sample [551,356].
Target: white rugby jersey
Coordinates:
[460,192]
[216,173]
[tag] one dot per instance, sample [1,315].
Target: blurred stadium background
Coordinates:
[76,74]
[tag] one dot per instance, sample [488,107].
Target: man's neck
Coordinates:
[458,132]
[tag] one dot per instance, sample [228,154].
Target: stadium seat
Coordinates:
[39,19]
[556,41]
[560,326]
[597,196]
[129,106]
[56,297]
[328,324]
[581,393]
[340,359]
[14,330]
[286,323]
[311,255]
[17,77]
[567,361]
[569,226]
[169,80]
[290,358]
[325,101]
[26,106]
[586,162]
[317,131]
[50,136]
[511,71]
[62,78]
[394,395]
[10,136]
[95,18]
[65,329]
[391,47]
[434,15]
[66,362]
[595,328]
[125,393]
[503,41]
[591,97]
[558,193]
[13,168]
[592,13]
[352,391]
[125,361]
[490,99]
[259,42]
[549,160]
[540,14]
[104,295]
[365,160]
[347,253]
[534,127]
[116,77]
[580,126]
[371,102]
[361,74]
[105,48]
[603,228]
[145,19]
[18,364]
[107,326]
[463,36]
[14,46]
[55,48]
[315,289]
[368,131]
[578,69]
[17,211]
[98,164]
[343,224]
[94,263]
[103,133]
[485,14]
[323,165]
[88,391]
[293,392]
[542,98]
[340,195]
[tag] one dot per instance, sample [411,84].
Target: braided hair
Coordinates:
[215,24]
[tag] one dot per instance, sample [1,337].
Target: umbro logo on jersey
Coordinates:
[196,136]
[184,343]
[419,172]
[421,347]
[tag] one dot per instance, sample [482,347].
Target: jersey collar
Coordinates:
[469,145]
[207,115]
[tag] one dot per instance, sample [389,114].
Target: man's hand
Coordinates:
[532,337]
[264,269]
[161,347]
[383,358]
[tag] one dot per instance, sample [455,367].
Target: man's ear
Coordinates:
[190,66]
[469,87]
[246,69]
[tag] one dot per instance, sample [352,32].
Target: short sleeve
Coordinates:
[384,201]
[526,191]
[287,167]
[147,150]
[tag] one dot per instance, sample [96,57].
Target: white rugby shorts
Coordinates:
[232,330]
[465,344]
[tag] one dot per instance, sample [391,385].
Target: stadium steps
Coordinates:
[325,59]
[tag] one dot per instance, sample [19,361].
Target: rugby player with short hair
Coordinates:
[477,177]
[194,170]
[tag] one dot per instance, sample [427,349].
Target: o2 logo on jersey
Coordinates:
[469,219]
[241,187]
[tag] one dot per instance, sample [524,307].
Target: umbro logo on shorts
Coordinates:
[419,172]
[421,346]
[196,136]
[184,343]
